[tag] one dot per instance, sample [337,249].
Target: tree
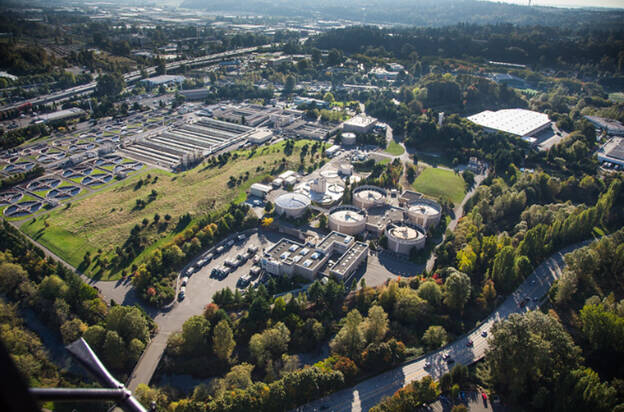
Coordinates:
[434,337]
[114,350]
[349,341]
[290,84]
[195,333]
[239,377]
[128,322]
[503,272]
[376,325]
[72,330]
[457,286]
[109,85]
[52,287]
[223,340]
[528,356]
[270,344]
[431,292]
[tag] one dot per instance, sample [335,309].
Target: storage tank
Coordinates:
[424,212]
[347,219]
[348,138]
[368,196]
[292,204]
[403,237]
[345,169]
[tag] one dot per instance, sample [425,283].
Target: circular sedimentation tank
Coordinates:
[366,197]
[424,212]
[404,236]
[292,204]
[347,219]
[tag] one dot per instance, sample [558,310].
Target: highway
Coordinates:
[130,77]
[370,392]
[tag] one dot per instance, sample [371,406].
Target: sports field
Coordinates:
[440,183]
[104,219]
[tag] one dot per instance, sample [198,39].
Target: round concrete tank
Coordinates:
[403,237]
[424,212]
[347,219]
[292,204]
[368,196]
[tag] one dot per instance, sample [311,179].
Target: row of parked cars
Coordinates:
[205,259]
[614,166]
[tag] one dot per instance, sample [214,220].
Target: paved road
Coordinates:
[368,393]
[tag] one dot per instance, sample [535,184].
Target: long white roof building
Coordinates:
[519,122]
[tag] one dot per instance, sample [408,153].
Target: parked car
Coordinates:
[184,280]
[230,243]
[484,334]
[241,237]
[470,343]
[189,271]
[252,249]
[220,250]
[244,281]
[182,293]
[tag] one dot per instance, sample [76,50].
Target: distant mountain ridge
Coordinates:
[417,13]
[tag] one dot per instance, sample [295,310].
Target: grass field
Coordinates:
[395,149]
[103,220]
[617,97]
[440,183]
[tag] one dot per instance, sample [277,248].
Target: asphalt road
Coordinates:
[368,393]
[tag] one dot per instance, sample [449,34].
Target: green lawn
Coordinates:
[617,97]
[395,149]
[104,219]
[440,183]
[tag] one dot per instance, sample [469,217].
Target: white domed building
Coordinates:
[347,219]
[424,212]
[403,237]
[292,204]
[367,196]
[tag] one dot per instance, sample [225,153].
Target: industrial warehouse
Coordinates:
[518,122]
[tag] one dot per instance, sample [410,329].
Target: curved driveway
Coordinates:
[369,393]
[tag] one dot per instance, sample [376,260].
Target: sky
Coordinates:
[570,3]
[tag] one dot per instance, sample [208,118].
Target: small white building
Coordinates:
[260,136]
[259,190]
[331,151]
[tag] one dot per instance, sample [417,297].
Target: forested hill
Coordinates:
[420,13]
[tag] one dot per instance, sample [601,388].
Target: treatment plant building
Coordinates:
[288,258]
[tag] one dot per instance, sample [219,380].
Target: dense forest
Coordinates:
[427,13]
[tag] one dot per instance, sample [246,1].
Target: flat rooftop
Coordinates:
[519,122]
[349,258]
[406,233]
[614,148]
[360,121]
[292,252]
[335,237]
